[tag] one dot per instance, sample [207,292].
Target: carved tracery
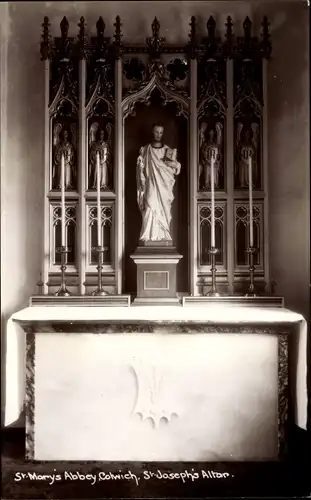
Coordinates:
[156,68]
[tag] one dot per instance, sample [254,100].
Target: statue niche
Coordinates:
[247,144]
[210,138]
[100,147]
[64,145]
[168,225]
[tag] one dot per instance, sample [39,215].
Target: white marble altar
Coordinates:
[100,393]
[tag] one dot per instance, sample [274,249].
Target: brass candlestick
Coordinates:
[62,291]
[251,289]
[213,293]
[100,253]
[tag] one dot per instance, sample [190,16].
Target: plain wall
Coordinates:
[22,134]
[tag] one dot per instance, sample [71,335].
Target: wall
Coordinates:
[22,127]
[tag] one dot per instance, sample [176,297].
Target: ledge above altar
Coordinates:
[218,377]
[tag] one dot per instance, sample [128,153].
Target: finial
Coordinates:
[82,38]
[266,43]
[210,40]
[45,47]
[155,27]
[247,26]
[155,42]
[64,27]
[64,50]
[192,47]
[211,27]
[193,29]
[101,42]
[117,38]
[228,46]
[100,26]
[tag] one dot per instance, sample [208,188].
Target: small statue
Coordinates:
[63,147]
[206,151]
[100,147]
[247,145]
[157,167]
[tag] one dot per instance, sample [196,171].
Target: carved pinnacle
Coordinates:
[155,42]
[117,38]
[229,37]
[266,44]
[82,38]
[100,26]
[247,26]
[155,28]
[64,27]
[211,27]
[46,40]
[192,47]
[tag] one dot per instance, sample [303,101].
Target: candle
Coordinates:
[250,187]
[99,234]
[63,214]
[214,153]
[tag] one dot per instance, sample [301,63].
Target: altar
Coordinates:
[157,383]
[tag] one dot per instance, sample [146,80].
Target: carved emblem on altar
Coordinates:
[152,401]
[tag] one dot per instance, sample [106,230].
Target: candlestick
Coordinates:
[62,291]
[213,252]
[99,232]
[214,153]
[251,289]
[100,253]
[63,213]
[250,187]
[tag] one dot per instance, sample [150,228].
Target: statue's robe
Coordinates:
[155,183]
[100,147]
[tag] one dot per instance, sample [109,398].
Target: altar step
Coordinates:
[184,301]
[234,300]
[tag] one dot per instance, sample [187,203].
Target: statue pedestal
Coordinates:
[156,274]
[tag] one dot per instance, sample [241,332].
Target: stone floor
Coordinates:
[286,479]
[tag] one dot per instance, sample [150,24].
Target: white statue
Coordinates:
[206,148]
[63,147]
[157,167]
[247,144]
[98,145]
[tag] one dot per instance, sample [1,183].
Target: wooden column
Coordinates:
[47,177]
[230,176]
[119,177]
[265,174]
[193,178]
[82,226]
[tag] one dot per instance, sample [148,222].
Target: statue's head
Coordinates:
[101,135]
[211,133]
[247,134]
[65,135]
[203,127]
[157,131]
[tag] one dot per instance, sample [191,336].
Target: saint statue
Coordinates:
[206,149]
[63,147]
[101,148]
[247,145]
[157,167]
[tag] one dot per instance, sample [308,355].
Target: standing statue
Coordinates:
[98,145]
[247,144]
[157,167]
[206,147]
[63,147]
